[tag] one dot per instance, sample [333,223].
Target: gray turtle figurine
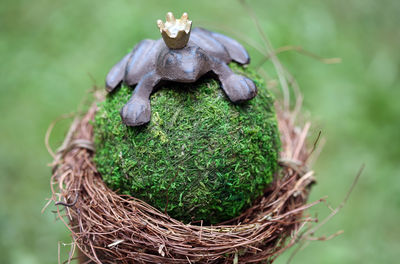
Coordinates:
[177,58]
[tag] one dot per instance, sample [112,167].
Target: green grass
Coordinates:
[48,49]
[201,157]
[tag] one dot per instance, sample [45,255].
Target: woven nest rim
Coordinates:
[110,228]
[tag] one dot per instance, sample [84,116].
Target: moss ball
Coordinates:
[201,157]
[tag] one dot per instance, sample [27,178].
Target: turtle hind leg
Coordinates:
[238,88]
[116,74]
[236,51]
[137,111]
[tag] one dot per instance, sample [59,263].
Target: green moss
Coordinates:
[200,157]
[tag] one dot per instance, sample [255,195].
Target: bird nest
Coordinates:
[112,228]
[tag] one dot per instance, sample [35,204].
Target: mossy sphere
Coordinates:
[201,157]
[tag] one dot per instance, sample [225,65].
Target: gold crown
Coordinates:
[175,32]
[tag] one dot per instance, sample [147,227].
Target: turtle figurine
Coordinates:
[182,55]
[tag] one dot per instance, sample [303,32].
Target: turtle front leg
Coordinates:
[238,88]
[137,111]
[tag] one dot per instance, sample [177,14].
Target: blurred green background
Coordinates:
[53,51]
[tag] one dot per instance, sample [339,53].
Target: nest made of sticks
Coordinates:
[110,228]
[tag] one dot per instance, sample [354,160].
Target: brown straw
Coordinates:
[110,228]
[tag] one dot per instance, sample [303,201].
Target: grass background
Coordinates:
[50,48]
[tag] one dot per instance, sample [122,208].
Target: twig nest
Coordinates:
[201,157]
[108,227]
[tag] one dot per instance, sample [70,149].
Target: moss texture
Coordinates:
[200,157]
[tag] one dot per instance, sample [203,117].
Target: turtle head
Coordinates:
[175,32]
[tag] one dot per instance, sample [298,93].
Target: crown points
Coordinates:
[184,17]
[175,32]
[170,17]
[160,24]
